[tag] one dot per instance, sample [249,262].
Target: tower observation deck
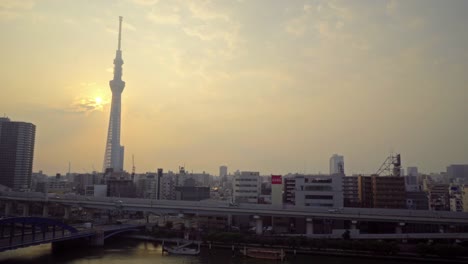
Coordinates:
[114,156]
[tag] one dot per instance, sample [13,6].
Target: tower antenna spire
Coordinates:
[120,30]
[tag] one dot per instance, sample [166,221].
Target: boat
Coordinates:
[182,250]
[264,253]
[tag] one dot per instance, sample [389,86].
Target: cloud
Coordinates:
[201,10]
[128,26]
[145,2]
[163,19]
[15,4]
[13,9]
[86,105]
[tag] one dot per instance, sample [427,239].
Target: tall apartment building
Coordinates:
[350,191]
[336,164]
[289,187]
[246,187]
[16,154]
[457,171]
[380,191]
[167,186]
[439,197]
[389,192]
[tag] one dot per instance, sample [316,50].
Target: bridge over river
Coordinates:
[18,232]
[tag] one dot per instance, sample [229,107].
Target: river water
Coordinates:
[119,251]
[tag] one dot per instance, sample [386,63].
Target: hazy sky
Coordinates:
[270,86]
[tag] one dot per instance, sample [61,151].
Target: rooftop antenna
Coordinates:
[120,30]
[69,167]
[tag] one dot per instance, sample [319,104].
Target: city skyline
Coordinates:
[279,90]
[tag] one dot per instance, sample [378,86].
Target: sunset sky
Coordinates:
[269,86]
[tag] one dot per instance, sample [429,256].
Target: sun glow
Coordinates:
[98,101]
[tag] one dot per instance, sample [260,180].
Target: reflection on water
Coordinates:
[131,251]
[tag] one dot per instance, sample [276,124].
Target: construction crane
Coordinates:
[391,166]
[133,166]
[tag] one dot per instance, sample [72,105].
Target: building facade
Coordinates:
[388,192]
[381,192]
[457,171]
[192,193]
[246,187]
[337,164]
[350,191]
[319,190]
[16,154]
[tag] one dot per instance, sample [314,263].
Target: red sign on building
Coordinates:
[276,179]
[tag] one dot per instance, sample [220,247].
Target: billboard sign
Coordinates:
[276,179]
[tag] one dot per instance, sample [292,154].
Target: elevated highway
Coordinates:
[225,209]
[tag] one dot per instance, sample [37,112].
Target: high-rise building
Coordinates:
[336,164]
[457,171]
[223,171]
[114,155]
[16,154]
[412,171]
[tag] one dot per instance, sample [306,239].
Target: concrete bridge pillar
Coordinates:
[45,210]
[25,209]
[229,221]
[162,221]
[258,224]
[399,228]
[97,239]
[67,212]
[8,208]
[146,215]
[309,227]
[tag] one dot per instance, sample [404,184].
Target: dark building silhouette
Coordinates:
[121,188]
[381,192]
[16,154]
[192,193]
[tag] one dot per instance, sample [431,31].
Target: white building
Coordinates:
[336,164]
[319,190]
[246,187]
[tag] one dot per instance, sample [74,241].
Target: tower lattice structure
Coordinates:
[114,155]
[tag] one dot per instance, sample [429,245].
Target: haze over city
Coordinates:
[270,86]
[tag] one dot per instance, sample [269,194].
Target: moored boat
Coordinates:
[181,250]
[264,253]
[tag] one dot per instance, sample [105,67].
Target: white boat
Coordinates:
[182,250]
